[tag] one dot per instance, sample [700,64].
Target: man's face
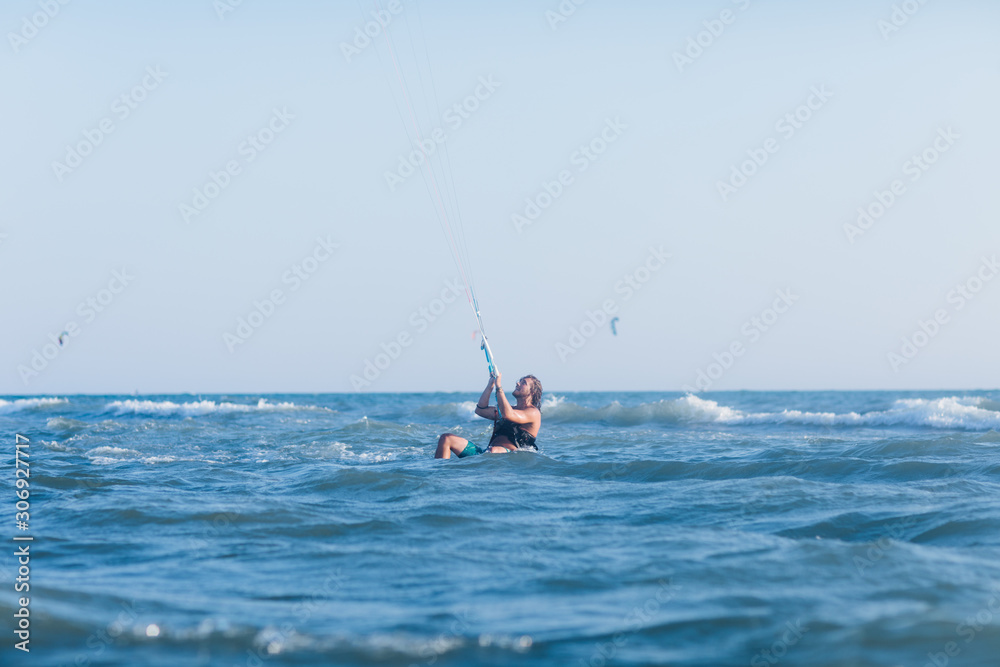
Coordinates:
[523,387]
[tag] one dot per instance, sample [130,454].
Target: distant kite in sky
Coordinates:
[614,330]
[63,335]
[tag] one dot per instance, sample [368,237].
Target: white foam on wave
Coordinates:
[106,455]
[963,413]
[947,413]
[466,410]
[54,446]
[104,461]
[344,452]
[110,455]
[149,460]
[65,424]
[687,409]
[552,401]
[119,452]
[29,404]
[197,408]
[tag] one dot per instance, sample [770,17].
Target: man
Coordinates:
[513,427]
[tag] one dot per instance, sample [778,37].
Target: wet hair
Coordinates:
[535,392]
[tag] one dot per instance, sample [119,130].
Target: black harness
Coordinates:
[514,433]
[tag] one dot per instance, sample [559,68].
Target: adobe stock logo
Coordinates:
[563,12]
[454,117]
[249,149]
[901,15]
[915,168]
[586,155]
[704,40]
[363,36]
[927,330]
[419,321]
[295,277]
[31,27]
[223,7]
[122,107]
[628,286]
[88,309]
[788,126]
[753,329]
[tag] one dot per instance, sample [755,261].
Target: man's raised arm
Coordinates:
[483,408]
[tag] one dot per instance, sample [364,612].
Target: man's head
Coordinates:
[530,389]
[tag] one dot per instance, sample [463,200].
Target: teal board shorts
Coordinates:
[470,450]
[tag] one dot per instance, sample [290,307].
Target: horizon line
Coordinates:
[586,391]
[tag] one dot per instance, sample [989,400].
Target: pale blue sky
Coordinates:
[656,185]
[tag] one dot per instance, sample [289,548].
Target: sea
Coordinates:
[847,529]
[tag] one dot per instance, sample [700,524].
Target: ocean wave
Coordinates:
[55,446]
[29,404]
[987,404]
[345,453]
[66,425]
[120,452]
[287,644]
[162,459]
[961,413]
[198,408]
[110,455]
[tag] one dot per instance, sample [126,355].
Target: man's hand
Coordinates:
[496,379]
